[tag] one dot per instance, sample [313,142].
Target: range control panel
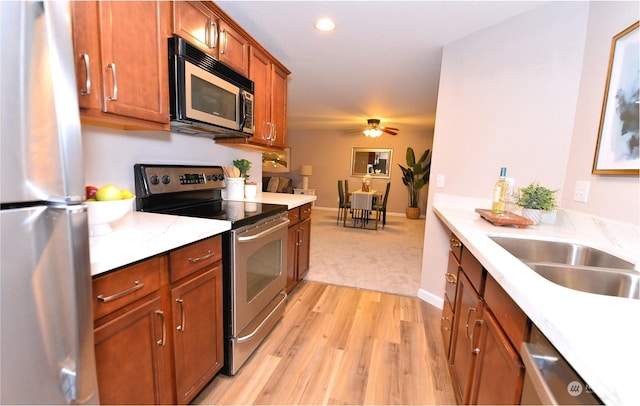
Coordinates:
[159,179]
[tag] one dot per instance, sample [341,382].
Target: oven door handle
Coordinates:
[263,233]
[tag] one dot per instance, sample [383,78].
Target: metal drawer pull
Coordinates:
[87,68]
[115,82]
[162,341]
[136,285]
[208,255]
[450,278]
[182,315]
[453,243]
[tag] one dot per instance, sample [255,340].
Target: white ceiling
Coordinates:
[382,61]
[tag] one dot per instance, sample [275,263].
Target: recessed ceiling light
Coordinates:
[325,24]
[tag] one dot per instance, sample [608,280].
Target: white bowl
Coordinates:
[101,213]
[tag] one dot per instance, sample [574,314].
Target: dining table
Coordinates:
[362,206]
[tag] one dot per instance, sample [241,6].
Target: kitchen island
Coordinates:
[598,335]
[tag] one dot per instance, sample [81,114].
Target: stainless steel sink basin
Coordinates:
[603,281]
[576,266]
[528,250]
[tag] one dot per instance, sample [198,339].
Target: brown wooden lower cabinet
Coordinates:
[299,245]
[158,326]
[133,358]
[484,362]
[197,313]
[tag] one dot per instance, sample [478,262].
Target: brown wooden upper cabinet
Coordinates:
[201,26]
[121,62]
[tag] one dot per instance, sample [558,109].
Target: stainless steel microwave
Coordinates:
[207,97]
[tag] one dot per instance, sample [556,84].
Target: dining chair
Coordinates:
[347,196]
[343,205]
[381,207]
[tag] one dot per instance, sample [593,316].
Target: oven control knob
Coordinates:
[166,179]
[154,180]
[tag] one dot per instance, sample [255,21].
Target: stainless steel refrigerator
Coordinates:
[46,325]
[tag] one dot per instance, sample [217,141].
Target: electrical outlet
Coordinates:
[440,180]
[581,192]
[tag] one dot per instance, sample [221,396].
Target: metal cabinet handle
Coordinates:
[469,310]
[474,349]
[300,234]
[443,319]
[87,68]
[223,39]
[450,278]
[115,82]
[163,340]
[136,285]
[454,243]
[208,255]
[275,132]
[182,325]
[213,35]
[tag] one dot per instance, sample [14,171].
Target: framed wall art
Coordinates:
[618,147]
[276,161]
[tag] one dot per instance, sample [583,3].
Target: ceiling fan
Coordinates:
[374,129]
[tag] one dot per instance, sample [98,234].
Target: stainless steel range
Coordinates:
[255,250]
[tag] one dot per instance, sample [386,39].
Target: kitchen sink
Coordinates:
[557,252]
[603,281]
[576,266]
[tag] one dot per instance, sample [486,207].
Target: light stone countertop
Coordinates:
[598,335]
[140,235]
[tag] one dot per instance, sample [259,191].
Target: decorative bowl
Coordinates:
[101,213]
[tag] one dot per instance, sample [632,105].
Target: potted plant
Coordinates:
[415,176]
[536,199]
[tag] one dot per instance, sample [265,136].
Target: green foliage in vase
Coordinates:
[243,165]
[536,196]
[416,175]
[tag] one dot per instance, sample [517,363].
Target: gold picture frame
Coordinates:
[617,149]
[274,161]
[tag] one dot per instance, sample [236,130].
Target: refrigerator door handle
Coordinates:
[65,98]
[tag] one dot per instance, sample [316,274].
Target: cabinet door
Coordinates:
[499,374]
[86,44]
[194,22]
[468,310]
[279,105]
[233,48]
[260,73]
[134,59]
[304,246]
[197,332]
[292,258]
[446,326]
[132,357]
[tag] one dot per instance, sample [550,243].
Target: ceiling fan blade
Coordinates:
[388,131]
[390,128]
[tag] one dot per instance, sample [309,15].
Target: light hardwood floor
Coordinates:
[340,345]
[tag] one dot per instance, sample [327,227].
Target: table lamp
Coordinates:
[305,172]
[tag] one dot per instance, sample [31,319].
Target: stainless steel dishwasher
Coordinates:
[549,379]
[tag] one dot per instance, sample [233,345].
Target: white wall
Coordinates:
[329,152]
[513,95]
[109,154]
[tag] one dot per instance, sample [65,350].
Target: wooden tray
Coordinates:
[512,220]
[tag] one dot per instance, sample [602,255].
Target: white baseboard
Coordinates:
[430,298]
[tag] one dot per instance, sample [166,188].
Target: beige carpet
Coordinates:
[388,260]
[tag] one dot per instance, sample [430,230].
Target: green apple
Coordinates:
[109,192]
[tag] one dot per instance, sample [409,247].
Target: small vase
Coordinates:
[412,212]
[532,214]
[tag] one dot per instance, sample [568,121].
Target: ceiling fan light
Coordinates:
[372,132]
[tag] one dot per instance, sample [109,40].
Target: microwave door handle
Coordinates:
[243,105]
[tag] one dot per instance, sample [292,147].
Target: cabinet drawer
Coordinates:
[473,269]
[451,278]
[117,289]
[511,318]
[456,246]
[184,261]
[305,211]
[294,216]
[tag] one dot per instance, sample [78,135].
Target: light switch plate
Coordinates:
[581,193]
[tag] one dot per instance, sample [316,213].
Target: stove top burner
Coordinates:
[194,191]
